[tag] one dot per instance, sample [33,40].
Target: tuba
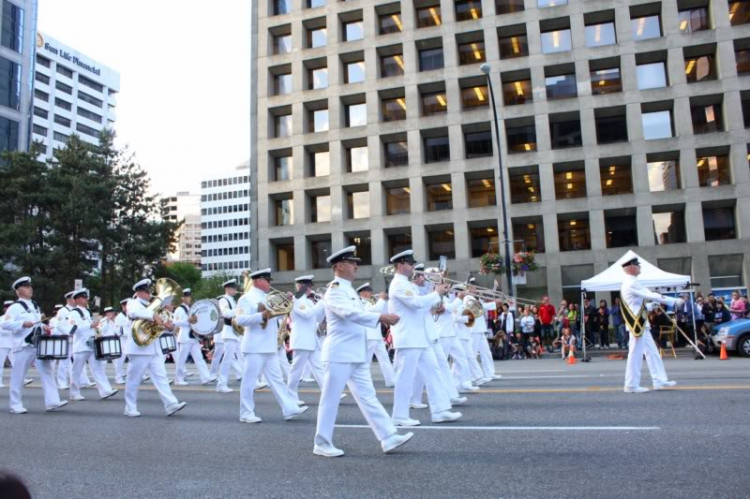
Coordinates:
[474,310]
[167,292]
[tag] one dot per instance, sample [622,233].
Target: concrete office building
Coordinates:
[225,222]
[17,39]
[184,208]
[72,94]
[623,125]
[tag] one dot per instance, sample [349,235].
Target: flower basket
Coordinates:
[522,262]
[491,263]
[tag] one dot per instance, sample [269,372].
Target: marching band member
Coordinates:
[633,297]
[446,324]
[463,332]
[345,351]
[231,341]
[189,345]
[80,322]
[65,367]
[375,343]
[412,344]
[305,317]
[259,347]
[123,332]
[147,357]
[6,342]
[22,319]
[220,346]
[479,345]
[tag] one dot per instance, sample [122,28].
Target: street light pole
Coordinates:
[485,68]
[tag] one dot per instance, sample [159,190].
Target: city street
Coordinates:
[546,429]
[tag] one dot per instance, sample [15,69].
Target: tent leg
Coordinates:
[583,329]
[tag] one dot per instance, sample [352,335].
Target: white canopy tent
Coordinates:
[651,277]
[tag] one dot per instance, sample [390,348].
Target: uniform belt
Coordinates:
[227,322]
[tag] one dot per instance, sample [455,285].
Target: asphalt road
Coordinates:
[546,429]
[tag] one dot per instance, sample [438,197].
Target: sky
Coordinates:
[183,106]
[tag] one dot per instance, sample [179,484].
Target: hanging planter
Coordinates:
[522,262]
[491,263]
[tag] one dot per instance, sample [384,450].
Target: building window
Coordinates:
[663,175]
[354,30]
[356,115]
[481,192]
[429,16]
[282,125]
[42,96]
[468,10]
[396,153]
[615,178]
[611,125]
[695,19]
[11,34]
[525,186]
[8,134]
[281,7]
[318,120]
[436,149]
[550,3]
[565,130]
[64,104]
[739,12]
[431,59]
[646,27]
[60,137]
[398,242]
[726,271]
[574,234]
[312,4]
[83,112]
[653,75]
[606,81]
[284,256]
[390,23]
[394,109]
[570,181]
[354,72]
[282,84]
[356,159]
[471,53]
[561,86]
[43,61]
[714,171]
[282,44]
[364,247]
[621,229]
[39,130]
[707,118]
[478,144]
[317,78]
[434,103]
[520,137]
[10,84]
[657,125]
[320,164]
[514,46]
[700,68]
[64,88]
[282,168]
[742,58]
[528,235]
[41,113]
[358,204]
[284,212]
[473,97]
[669,226]
[317,37]
[719,223]
[483,240]
[439,196]
[397,200]
[92,100]
[319,252]
[391,65]
[90,83]
[598,35]
[508,6]
[320,208]
[41,78]
[80,127]
[556,41]
[64,71]
[441,242]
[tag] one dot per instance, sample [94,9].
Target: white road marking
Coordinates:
[515,428]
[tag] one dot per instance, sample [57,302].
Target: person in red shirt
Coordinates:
[547,318]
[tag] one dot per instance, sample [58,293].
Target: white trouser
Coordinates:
[301,359]
[21,365]
[461,375]
[284,362]
[357,377]
[97,369]
[481,347]
[268,365]
[408,361]
[377,348]
[65,370]
[4,354]
[137,366]
[637,347]
[119,367]
[306,372]
[194,350]
[474,369]
[230,350]
[445,377]
[216,360]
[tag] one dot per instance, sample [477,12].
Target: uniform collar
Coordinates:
[228,297]
[142,301]
[343,282]
[630,278]
[400,277]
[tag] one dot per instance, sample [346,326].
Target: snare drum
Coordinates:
[107,348]
[208,315]
[167,343]
[52,347]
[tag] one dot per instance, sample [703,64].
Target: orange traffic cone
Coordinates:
[571,357]
[723,355]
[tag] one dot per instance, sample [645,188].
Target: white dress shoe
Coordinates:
[90,385]
[391,385]
[210,380]
[120,381]
[251,419]
[468,389]
[446,416]
[77,398]
[301,402]
[418,405]
[483,381]
[62,403]
[294,415]
[189,374]
[497,376]
[146,377]
[27,381]
[260,386]
[395,441]
[113,392]
[406,422]
[132,414]
[224,389]
[637,389]
[459,401]
[327,451]
[307,380]
[3,386]
[343,396]
[662,386]
[20,410]
[61,387]
[175,407]
[181,383]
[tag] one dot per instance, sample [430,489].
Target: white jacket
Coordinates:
[305,317]
[228,309]
[445,326]
[379,307]
[13,322]
[181,320]
[406,301]
[137,310]
[346,340]
[256,339]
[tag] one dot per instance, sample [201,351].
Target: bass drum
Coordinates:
[209,317]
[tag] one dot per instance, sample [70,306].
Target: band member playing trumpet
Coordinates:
[85,329]
[375,343]
[479,345]
[259,346]
[148,357]
[189,345]
[305,318]
[21,319]
[122,331]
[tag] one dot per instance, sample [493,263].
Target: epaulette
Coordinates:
[333,284]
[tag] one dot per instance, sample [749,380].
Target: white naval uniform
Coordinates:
[633,295]
[228,309]
[345,351]
[413,347]
[479,344]
[141,359]
[259,348]
[25,355]
[6,348]
[305,318]
[80,318]
[451,344]
[188,346]
[463,333]
[376,345]
[65,367]
[122,330]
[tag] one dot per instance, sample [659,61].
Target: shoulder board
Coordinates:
[333,284]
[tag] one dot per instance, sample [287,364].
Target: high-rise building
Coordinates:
[225,222]
[623,125]
[17,37]
[184,208]
[72,94]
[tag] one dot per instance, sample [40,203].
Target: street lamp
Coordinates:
[485,68]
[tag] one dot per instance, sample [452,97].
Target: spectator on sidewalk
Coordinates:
[602,325]
[621,336]
[567,342]
[590,318]
[518,347]
[527,324]
[721,315]
[709,310]
[738,305]
[547,319]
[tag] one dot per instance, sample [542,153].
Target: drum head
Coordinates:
[209,316]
